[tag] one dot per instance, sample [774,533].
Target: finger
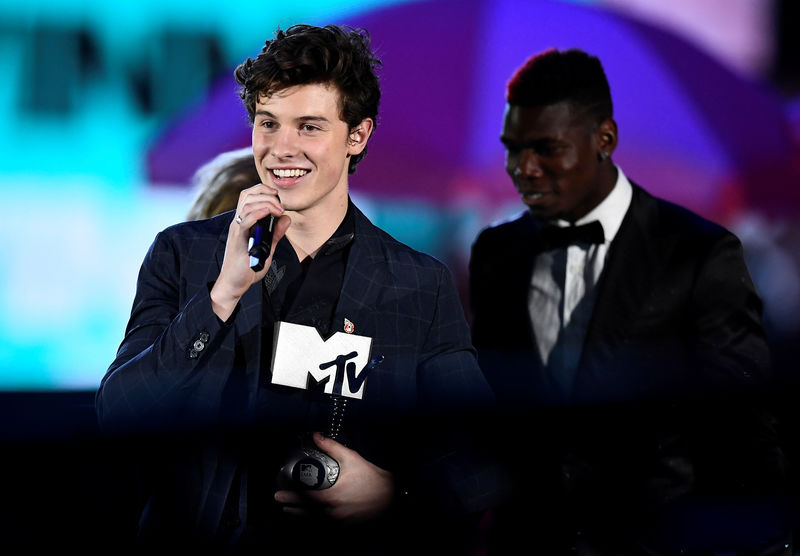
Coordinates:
[257,198]
[337,451]
[280,228]
[289,497]
[255,208]
[304,503]
[294,510]
[258,188]
[263,187]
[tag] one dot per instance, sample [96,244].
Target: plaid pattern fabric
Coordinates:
[177,359]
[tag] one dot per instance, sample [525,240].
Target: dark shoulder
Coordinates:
[503,238]
[193,230]
[505,230]
[193,239]
[666,218]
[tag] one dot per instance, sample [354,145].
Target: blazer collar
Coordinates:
[365,279]
[366,276]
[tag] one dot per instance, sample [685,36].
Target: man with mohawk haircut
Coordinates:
[623,336]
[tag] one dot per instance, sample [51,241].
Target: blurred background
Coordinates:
[108,108]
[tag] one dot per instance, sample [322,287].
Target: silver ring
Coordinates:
[238,219]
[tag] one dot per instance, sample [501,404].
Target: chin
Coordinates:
[540,214]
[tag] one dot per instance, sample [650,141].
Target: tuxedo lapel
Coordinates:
[634,260]
[514,271]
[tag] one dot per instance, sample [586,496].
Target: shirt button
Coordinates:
[199,345]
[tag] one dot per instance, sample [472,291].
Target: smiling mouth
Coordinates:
[288,172]
[532,196]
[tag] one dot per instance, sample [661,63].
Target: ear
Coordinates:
[359,135]
[606,136]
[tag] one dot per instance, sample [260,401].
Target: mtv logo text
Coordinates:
[309,474]
[302,359]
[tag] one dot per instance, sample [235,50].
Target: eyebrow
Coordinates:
[301,119]
[528,142]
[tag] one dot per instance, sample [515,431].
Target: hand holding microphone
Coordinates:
[258,212]
[261,242]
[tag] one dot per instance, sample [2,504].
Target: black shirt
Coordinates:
[301,292]
[306,292]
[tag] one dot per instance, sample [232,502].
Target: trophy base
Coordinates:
[309,469]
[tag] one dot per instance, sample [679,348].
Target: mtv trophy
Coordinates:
[339,366]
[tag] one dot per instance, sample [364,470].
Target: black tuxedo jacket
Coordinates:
[674,286]
[665,400]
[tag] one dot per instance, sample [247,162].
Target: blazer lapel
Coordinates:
[365,278]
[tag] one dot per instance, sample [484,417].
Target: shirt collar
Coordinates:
[612,209]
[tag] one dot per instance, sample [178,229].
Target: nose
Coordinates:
[285,145]
[527,165]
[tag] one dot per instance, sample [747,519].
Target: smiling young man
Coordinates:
[623,334]
[199,364]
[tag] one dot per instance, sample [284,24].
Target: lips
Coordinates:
[530,196]
[287,177]
[288,172]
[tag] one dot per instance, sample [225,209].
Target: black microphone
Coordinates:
[261,242]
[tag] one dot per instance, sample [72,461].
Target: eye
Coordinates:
[511,148]
[308,128]
[549,149]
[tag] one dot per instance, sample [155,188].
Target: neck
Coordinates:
[607,181]
[310,229]
[610,176]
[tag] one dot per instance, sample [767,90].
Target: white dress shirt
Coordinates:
[562,291]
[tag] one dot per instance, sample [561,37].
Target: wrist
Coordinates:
[222,303]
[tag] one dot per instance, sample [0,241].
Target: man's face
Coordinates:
[300,146]
[552,158]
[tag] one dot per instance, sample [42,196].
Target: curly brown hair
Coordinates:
[305,54]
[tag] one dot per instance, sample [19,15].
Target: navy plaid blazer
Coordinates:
[177,358]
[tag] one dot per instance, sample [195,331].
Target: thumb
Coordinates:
[331,447]
[281,226]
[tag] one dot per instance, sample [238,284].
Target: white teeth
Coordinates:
[532,195]
[289,173]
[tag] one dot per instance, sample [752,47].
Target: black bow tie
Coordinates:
[554,237]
